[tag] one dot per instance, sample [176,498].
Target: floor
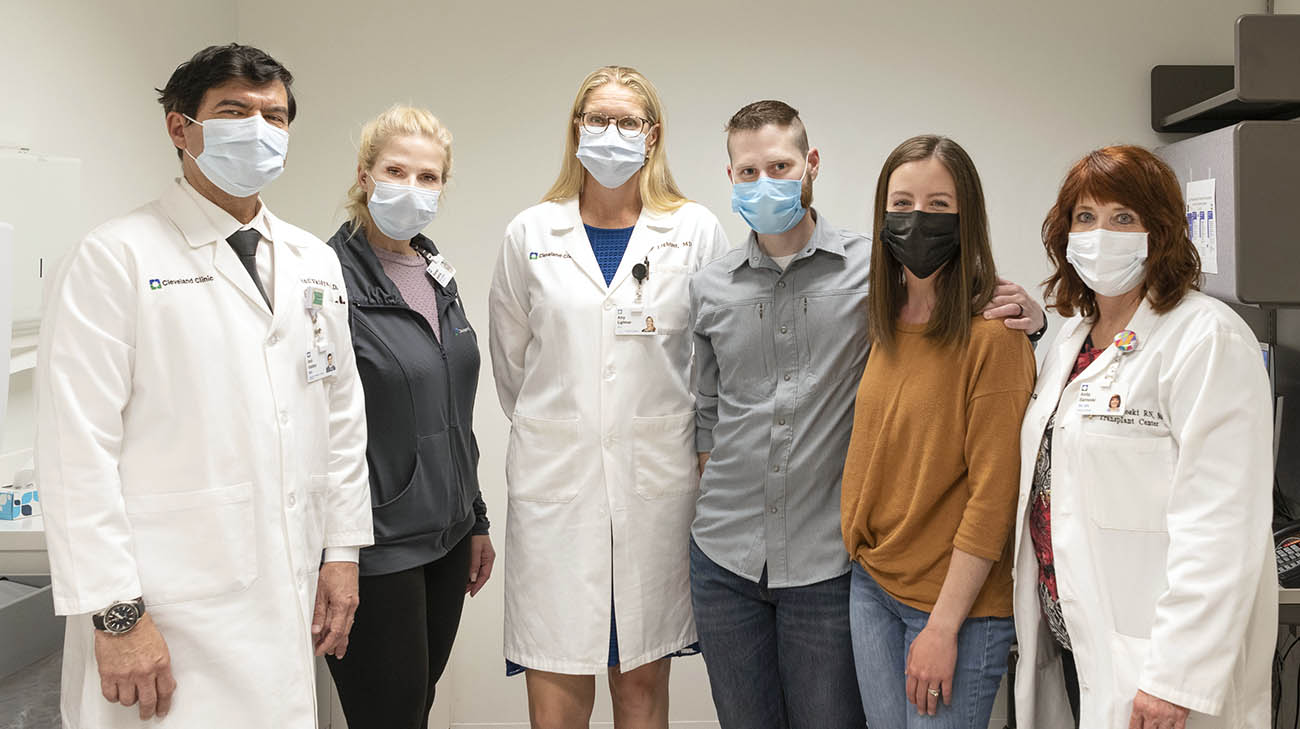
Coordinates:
[29,699]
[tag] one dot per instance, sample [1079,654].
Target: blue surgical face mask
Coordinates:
[768,205]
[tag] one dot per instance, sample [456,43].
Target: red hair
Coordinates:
[1137,179]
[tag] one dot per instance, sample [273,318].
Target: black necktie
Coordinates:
[245,244]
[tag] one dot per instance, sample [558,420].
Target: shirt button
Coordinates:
[270,342]
[292,500]
[609,372]
[780,284]
[781,421]
[787,378]
[609,305]
[284,418]
[773,509]
[776,469]
[783,330]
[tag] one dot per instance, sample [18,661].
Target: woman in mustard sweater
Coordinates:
[931,478]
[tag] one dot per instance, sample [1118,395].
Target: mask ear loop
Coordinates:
[196,121]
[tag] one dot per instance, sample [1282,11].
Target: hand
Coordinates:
[1015,307]
[931,660]
[1152,713]
[136,667]
[481,558]
[704,459]
[336,606]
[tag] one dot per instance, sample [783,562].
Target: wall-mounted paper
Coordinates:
[1201,224]
[6,325]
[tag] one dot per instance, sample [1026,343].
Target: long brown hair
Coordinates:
[1136,179]
[966,284]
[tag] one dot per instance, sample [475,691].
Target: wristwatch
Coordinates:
[120,617]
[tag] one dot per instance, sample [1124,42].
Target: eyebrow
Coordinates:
[245,106]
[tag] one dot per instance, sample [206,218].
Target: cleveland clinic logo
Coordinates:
[156,284]
[534,255]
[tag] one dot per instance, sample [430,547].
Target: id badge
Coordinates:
[1110,402]
[1088,396]
[440,270]
[319,365]
[634,321]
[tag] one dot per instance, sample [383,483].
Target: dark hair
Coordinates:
[215,65]
[966,284]
[1134,178]
[761,113]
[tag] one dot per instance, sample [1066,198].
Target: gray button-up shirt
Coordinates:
[779,356]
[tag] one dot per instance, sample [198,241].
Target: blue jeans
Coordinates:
[883,631]
[777,658]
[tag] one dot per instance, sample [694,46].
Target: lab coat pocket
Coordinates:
[1127,501]
[193,545]
[671,301]
[537,459]
[317,516]
[1128,481]
[664,455]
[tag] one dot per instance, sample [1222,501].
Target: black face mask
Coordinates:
[922,241]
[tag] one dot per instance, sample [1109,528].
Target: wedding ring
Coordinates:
[934,692]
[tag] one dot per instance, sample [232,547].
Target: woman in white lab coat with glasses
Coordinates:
[601,469]
[1145,583]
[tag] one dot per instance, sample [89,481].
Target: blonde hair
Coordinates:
[398,121]
[659,191]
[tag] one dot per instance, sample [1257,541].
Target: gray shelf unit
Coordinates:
[1256,165]
[1262,84]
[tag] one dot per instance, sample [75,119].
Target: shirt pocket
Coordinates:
[664,455]
[1127,496]
[833,330]
[742,346]
[193,545]
[537,459]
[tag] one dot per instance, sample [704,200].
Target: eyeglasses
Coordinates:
[628,126]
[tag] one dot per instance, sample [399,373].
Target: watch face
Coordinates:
[121,617]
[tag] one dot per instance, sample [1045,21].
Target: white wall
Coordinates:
[1026,86]
[77,80]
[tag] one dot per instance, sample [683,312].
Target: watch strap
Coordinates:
[97,619]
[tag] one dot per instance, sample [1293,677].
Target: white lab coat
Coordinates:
[601,469]
[1160,527]
[183,456]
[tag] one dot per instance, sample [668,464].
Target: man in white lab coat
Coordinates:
[203,472]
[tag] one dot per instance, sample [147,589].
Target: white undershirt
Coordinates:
[784,261]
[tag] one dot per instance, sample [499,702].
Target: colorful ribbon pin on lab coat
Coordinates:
[1126,341]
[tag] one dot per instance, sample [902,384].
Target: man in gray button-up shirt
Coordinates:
[780,344]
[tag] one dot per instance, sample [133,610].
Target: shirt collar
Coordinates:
[222,224]
[824,238]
